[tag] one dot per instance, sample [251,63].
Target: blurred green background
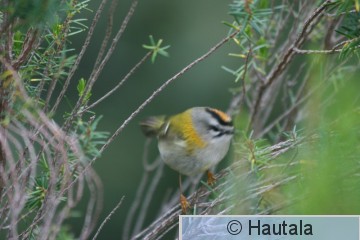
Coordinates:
[191,28]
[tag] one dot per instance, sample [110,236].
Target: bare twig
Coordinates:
[300,51]
[29,41]
[59,48]
[81,54]
[149,99]
[36,131]
[108,217]
[328,40]
[163,86]
[131,72]
[335,49]
[286,59]
[147,199]
[244,74]
[108,32]
[339,14]
[95,204]
[96,72]
[148,169]
[226,188]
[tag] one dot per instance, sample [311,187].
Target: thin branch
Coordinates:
[335,49]
[244,74]
[300,51]
[9,44]
[54,80]
[139,196]
[96,72]
[81,54]
[286,59]
[59,48]
[330,30]
[225,191]
[56,147]
[108,217]
[163,86]
[131,72]
[237,100]
[289,111]
[29,41]
[345,42]
[95,204]
[147,199]
[108,32]
[160,224]
[339,14]
[149,99]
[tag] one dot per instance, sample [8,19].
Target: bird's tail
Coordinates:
[151,126]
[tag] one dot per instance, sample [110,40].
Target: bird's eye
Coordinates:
[214,128]
[216,131]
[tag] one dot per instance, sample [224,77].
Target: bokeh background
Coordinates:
[191,28]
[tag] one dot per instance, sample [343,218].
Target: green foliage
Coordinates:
[350,28]
[65,234]
[324,168]
[346,5]
[155,48]
[37,40]
[42,14]
[253,13]
[51,60]
[319,175]
[331,178]
[36,13]
[37,195]
[81,88]
[90,138]
[253,18]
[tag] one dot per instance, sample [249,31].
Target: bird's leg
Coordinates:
[183,201]
[210,178]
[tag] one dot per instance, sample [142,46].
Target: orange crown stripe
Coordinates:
[223,116]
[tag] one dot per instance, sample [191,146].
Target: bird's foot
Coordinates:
[210,178]
[184,204]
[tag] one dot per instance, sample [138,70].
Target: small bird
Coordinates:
[191,142]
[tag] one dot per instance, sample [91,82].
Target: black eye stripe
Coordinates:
[214,128]
[220,132]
